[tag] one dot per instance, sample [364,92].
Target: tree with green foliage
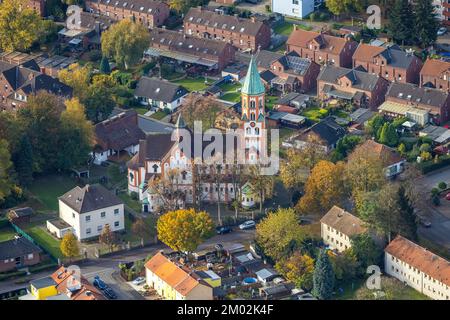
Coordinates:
[23,161]
[104,65]
[19,26]
[366,250]
[5,168]
[125,42]
[98,103]
[279,234]
[402,24]
[374,125]
[388,135]
[323,278]
[344,146]
[69,246]
[407,220]
[339,7]
[426,23]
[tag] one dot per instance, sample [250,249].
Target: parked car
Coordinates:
[447,197]
[249,224]
[223,230]
[99,283]
[441,31]
[109,293]
[138,281]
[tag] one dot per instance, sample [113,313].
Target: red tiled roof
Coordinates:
[433,67]
[331,44]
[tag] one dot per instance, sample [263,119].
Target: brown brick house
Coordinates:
[353,85]
[18,82]
[322,48]
[244,34]
[391,63]
[184,48]
[435,74]
[288,72]
[150,13]
[18,253]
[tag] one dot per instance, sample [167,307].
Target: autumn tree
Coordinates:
[184,229]
[298,268]
[140,228]
[345,266]
[324,188]
[125,42]
[279,234]
[19,25]
[199,108]
[339,7]
[107,237]
[5,167]
[167,192]
[69,246]
[78,77]
[261,185]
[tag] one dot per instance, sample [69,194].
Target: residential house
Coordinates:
[338,226]
[19,82]
[244,34]
[159,94]
[292,102]
[174,281]
[352,86]
[439,135]
[435,74]
[288,72]
[322,48]
[87,210]
[293,8]
[116,136]
[148,12]
[420,104]
[391,62]
[360,117]
[418,267]
[38,6]
[390,158]
[190,50]
[18,253]
[354,31]
[20,215]
[324,134]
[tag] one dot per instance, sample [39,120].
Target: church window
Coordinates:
[252,116]
[252,104]
[256,131]
[155,168]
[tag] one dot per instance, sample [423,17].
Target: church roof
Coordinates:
[253,84]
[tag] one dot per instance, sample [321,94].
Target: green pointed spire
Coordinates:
[253,85]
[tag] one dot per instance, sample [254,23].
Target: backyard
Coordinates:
[40,234]
[194,84]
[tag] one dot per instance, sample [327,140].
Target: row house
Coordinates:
[418,267]
[420,104]
[19,82]
[352,85]
[244,34]
[288,72]
[435,74]
[391,63]
[322,48]
[150,13]
[213,55]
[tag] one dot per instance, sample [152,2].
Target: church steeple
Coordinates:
[253,85]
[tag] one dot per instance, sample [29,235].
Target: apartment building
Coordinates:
[150,13]
[338,226]
[244,34]
[418,267]
[435,74]
[293,8]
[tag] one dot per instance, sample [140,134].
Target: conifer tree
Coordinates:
[426,23]
[402,22]
[323,279]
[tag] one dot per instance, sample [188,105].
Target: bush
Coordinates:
[13,274]
[134,195]
[42,267]
[442,185]
[324,16]
[94,55]
[436,200]
[429,166]
[435,191]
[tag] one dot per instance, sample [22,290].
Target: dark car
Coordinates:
[109,293]
[99,283]
[223,230]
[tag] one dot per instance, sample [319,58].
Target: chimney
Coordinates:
[253,19]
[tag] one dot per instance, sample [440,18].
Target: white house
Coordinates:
[338,226]
[159,94]
[293,8]
[418,267]
[87,210]
[391,159]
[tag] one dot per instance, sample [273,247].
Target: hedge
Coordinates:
[42,267]
[429,166]
[4,223]
[5,276]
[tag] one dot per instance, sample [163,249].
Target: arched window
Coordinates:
[248,130]
[260,103]
[256,131]
[252,104]
[252,116]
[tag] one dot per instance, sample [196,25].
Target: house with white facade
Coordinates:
[174,281]
[159,94]
[117,135]
[418,267]
[87,210]
[293,8]
[338,226]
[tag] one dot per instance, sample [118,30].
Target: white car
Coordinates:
[247,225]
[138,281]
[441,31]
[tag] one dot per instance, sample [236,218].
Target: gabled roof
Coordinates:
[343,221]
[360,79]
[417,95]
[180,279]
[159,90]
[22,212]
[16,248]
[327,130]
[265,58]
[420,258]
[139,6]
[387,155]
[394,56]
[253,84]
[82,290]
[90,198]
[435,68]
[301,38]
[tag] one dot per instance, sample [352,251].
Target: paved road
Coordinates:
[107,268]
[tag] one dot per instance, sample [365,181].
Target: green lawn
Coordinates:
[6,233]
[313,113]
[48,188]
[141,110]
[231,96]
[158,115]
[150,221]
[40,234]
[270,101]
[133,204]
[284,28]
[194,84]
[230,86]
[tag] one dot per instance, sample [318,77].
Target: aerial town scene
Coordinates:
[224,150]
